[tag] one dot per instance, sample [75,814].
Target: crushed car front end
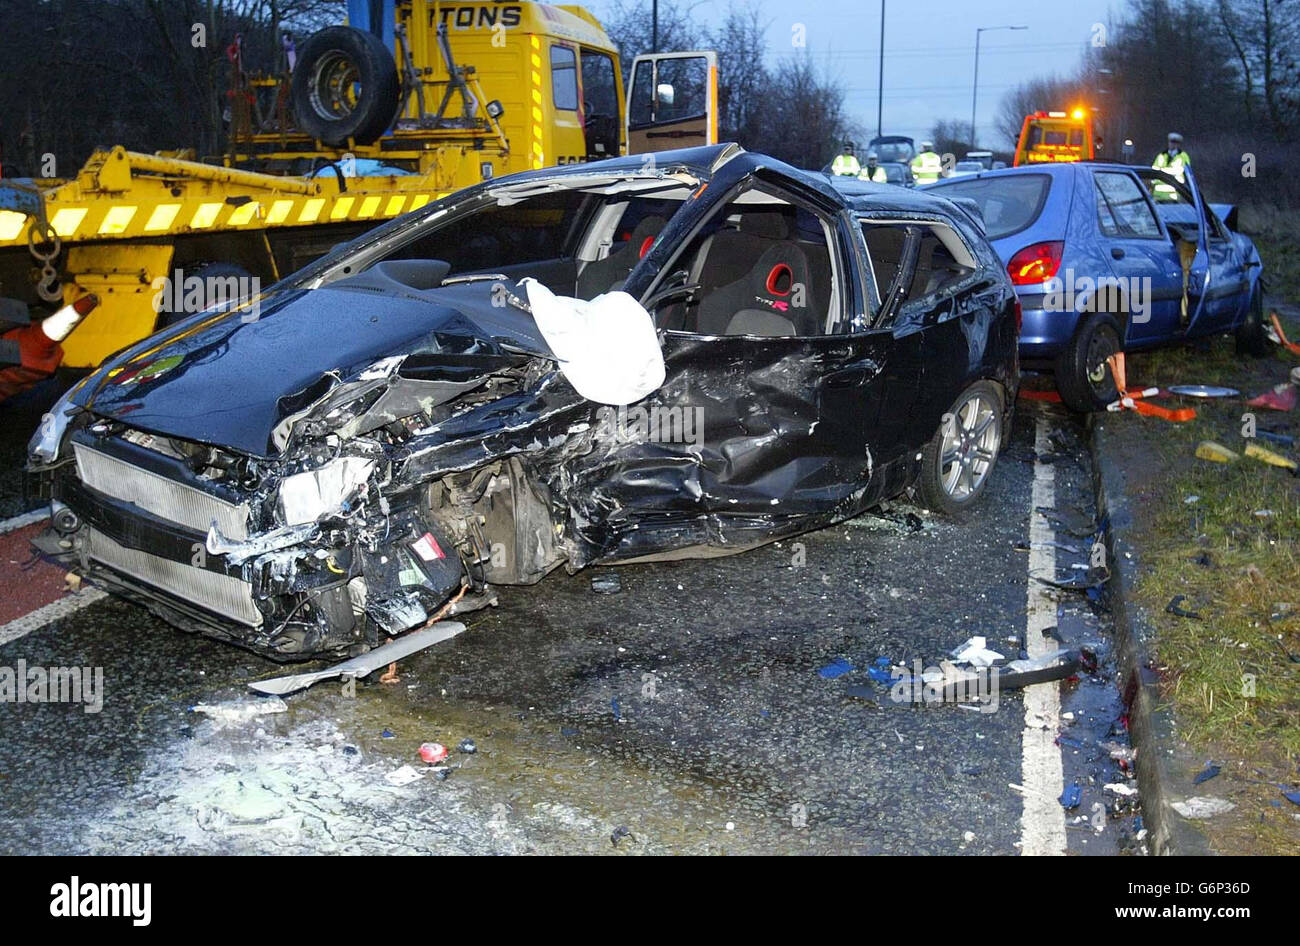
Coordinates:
[377,510]
[357,451]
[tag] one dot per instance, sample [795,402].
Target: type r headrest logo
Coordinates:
[103,900]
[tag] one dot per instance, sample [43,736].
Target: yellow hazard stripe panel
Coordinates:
[11,224]
[242,214]
[117,218]
[311,210]
[162,217]
[145,218]
[66,220]
[205,216]
[279,211]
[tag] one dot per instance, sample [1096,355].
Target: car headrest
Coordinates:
[644,234]
[770,225]
[780,268]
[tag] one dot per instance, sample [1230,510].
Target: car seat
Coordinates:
[605,275]
[761,302]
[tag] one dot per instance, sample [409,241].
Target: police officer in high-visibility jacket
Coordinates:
[873,171]
[927,166]
[846,163]
[1172,161]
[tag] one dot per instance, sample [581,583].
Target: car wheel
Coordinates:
[956,463]
[345,86]
[1082,376]
[1252,334]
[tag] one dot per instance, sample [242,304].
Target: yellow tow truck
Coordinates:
[1048,137]
[370,120]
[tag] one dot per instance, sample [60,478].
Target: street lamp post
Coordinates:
[975,86]
[880,81]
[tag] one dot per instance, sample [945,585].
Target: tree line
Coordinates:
[147,74]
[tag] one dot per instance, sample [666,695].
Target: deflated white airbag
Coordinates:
[607,348]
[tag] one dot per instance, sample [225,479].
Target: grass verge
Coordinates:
[1227,538]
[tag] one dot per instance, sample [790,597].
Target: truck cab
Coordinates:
[1056,136]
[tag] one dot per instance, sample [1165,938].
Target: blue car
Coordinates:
[1107,257]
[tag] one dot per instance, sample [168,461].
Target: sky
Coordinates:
[929,51]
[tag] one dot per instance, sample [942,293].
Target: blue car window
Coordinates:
[1122,207]
[1008,203]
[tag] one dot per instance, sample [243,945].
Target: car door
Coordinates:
[1229,277]
[938,324]
[784,422]
[1141,256]
[889,251]
[1183,214]
[672,102]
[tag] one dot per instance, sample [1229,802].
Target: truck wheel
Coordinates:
[215,279]
[1082,375]
[1252,335]
[956,463]
[345,85]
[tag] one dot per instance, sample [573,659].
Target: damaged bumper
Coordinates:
[289,592]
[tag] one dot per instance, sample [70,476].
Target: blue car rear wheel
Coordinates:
[1252,334]
[1082,375]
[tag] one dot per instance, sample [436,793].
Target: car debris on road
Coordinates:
[364,664]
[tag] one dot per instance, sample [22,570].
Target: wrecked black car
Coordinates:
[639,359]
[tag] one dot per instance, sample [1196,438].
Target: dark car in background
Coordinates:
[609,362]
[897,172]
[1107,257]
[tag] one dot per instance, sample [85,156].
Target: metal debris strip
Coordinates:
[357,667]
[236,712]
[1092,580]
[953,684]
[1086,529]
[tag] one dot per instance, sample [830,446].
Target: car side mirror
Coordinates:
[684,293]
[674,287]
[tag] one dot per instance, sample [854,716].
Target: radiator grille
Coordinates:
[222,594]
[165,498]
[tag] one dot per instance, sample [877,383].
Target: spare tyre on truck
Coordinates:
[345,87]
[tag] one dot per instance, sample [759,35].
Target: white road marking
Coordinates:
[21,522]
[34,620]
[1042,824]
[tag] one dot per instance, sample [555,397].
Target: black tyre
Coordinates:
[220,282]
[345,86]
[1252,334]
[1082,376]
[957,462]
